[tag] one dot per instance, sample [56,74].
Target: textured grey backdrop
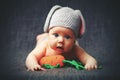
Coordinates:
[22,20]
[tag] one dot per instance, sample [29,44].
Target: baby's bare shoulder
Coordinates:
[41,36]
[42,41]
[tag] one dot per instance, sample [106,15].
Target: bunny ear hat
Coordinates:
[65,17]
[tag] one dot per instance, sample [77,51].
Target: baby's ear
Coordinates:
[82,23]
[48,19]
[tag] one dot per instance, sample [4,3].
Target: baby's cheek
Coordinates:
[52,44]
[69,44]
[52,41]
[68,47]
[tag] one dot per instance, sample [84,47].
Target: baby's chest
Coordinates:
[50,52]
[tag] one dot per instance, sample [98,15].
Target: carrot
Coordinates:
[52,60]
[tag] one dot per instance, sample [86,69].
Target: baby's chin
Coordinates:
[59,50]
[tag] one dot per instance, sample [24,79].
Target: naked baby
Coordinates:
[62,28]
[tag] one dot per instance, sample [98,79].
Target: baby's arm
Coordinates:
[89,62]
[33,57]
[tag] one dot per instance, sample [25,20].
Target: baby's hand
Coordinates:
[36,67]
[91,64]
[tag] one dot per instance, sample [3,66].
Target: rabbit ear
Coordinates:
[47,22]
[82,23]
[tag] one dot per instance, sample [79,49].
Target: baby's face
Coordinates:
[61,39]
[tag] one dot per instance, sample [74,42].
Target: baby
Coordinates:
[62,27]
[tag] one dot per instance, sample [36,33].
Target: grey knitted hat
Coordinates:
[65,17]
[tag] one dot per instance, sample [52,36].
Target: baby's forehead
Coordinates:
[62,29]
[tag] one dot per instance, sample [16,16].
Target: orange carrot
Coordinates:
[52,60]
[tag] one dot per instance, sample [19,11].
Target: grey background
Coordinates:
[22,20]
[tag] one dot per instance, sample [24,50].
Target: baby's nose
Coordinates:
[59,45]
[61,39]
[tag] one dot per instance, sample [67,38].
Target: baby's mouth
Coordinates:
[60,47]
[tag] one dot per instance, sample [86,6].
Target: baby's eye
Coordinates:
[55,34]
[67,37]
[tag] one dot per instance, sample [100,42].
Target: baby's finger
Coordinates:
[95,67]
[87,67]
[43,69]
[30,69]
[37,67]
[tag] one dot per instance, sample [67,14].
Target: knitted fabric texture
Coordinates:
[65,17]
